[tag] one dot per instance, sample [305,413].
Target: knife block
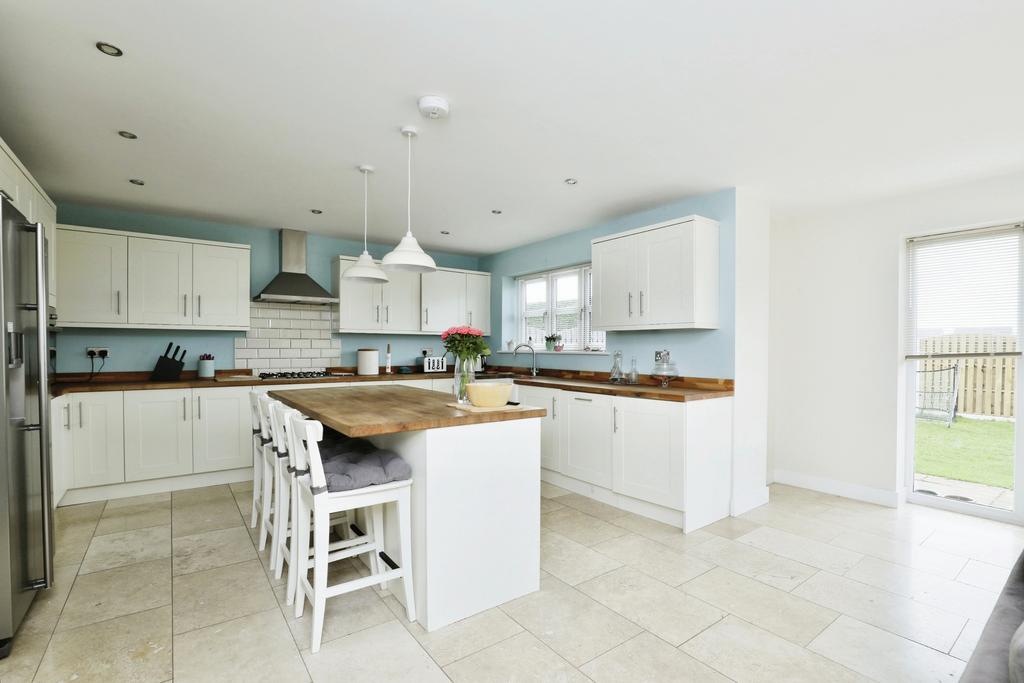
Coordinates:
[167,370]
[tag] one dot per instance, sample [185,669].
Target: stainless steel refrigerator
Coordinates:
[26,509]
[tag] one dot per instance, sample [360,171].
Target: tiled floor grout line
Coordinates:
[539,639]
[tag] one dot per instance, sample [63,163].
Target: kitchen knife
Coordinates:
[174,355]
[168,351]
[182,359]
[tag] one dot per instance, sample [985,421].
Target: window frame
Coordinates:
[591,340]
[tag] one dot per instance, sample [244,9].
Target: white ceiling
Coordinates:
[255,111]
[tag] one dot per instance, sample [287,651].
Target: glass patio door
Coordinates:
[963,322]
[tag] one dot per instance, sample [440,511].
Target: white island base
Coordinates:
[475,517]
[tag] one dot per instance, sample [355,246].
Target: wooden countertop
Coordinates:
[371,411]
[673,393]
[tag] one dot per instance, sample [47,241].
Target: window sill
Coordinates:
[545,352]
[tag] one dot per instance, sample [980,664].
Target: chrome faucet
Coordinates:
[515,352]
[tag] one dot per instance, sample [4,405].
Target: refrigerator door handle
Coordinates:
[43,371]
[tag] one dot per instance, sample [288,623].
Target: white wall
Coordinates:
[835,420]
[750,406]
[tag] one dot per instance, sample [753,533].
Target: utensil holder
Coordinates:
[206,370]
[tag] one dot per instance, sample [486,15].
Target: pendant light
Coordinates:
[408,255]
[364,269]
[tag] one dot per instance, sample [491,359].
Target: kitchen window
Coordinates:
[558,302]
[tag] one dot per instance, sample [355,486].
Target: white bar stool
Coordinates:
[257,456]
[314,499]
[270,465]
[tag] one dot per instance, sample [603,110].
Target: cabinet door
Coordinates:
[586,452]
[401,301]
[447,385]
[61,460]
[220,285]
[648,450]
[550,443]
[444,300]
[478,301]
[48,217]
[222,436]
[359,303]
[160,281]
[97,438]
[157,434]
[93,274]
[614,282]
[665,267]
[12,181]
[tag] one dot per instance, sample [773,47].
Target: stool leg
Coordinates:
[405,537]
[302,559]
[283,508]
[267,499]
[321,539]
[293,546]
[257,482]
[377,529]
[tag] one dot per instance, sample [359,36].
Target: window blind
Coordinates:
[964,294]
[558,302]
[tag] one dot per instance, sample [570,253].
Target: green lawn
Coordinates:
[969,450]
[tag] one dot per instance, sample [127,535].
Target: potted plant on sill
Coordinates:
[466,344]
[551,341]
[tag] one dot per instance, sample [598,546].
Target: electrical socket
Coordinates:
[97,352]
[427,352]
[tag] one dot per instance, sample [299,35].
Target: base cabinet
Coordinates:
[96,439]
[550,443]
[586,451]
[157,434]
[648,450]
[221,429]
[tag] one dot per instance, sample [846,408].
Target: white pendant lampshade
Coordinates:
[408,255]
[365,269]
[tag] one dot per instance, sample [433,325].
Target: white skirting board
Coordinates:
[838,488]
[142,488]
[609,497]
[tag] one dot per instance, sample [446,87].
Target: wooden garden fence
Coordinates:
[987,386]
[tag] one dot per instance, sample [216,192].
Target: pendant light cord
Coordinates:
[366,201]
[408,198]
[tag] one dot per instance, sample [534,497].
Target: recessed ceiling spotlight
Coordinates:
[571,181]
[136,181]
[315,212]
[496,212]
[128,135]
[109,50]
[445,232]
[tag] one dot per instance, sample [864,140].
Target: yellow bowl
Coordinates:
[489,394]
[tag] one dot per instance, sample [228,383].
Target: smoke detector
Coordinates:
[434,107]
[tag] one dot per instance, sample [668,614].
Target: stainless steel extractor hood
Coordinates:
[292,285]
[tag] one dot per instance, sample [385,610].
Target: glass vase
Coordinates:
[464,375]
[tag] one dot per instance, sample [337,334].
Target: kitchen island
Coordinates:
[475,491]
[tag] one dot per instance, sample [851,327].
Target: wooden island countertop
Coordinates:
[376,410]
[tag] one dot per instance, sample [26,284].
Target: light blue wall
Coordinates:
[138,349]
[699,353]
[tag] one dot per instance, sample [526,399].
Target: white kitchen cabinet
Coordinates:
[61,463]
[221,431]
[443,300]
[400,302]
[92,273]
[586,451]
[358,302]
[27,196]
[478,301]
[157,433]
[663,276]
[48,217]
[96,438]
[11,180]
[160,281]
[445,384]
[648,450]
[220,285]
[550,441]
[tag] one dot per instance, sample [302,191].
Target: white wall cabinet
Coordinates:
[92,272]
[444,300]
[663,276]
[96,438]
[478,301]
[17,184]
[550,439]
[130,280]
[586,451]
[221,429]
[160,281]
[400,300]
[157,434]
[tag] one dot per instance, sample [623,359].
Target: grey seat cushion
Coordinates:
[991,660]
[1017,656]
[357,468]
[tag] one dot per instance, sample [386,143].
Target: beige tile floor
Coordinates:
[809,587]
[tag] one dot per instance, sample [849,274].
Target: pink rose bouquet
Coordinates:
[465,342]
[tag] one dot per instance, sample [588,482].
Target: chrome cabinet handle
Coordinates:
[630,306]
[184,305]
[387,314]
[641,302]
[554,408]
[378,312]
[199,405]
[426,315]
[184,409]
[199,305]
[615,419]
[471,317]
[67,416]
[588,400]
[117,294]
[81,422]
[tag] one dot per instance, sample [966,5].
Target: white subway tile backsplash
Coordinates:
[239,342]
[257,344]
[291,353]
[288,337]
[320,324]
[259,364]
[301,324]
[269,353]
[245,353]
[309,353]
[314,343]
[304,343]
